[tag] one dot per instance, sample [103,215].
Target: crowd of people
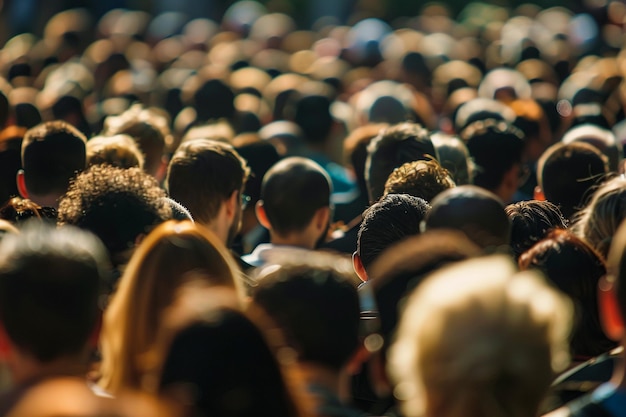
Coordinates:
[248,219]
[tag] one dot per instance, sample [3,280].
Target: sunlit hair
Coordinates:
[161,264]
[118,150]
[599,220]
[424,179]
[484,334]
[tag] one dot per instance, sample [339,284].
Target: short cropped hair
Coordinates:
[118,150]
[466,331]
[116,204]
[424,179]
[204,173]
[50,282]
[393,147]
[531,221]
[390,220]
[52,153]
[567,173]
[316,306]
[292,191]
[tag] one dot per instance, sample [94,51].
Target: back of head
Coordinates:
[203,174]
[603,139]
[225,368]
[454,156]
[292,192]
[483,333]
[118,150]
[531,221]
[395,145]
[390,220]
[50,282]
[312,114]
[316,306]
[600,219]
[575,268]
[495,147]
[423,179]
[52,153]
[566,173]
[474,211]
[117,205]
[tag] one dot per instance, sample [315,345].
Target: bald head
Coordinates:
[474,211]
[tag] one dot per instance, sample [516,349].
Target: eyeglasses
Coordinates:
[245,200]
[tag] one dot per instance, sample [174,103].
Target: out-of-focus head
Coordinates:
[598,222]
[567,173]
[454,156]
[119,150]
[603,139]
[423,179]
[474,211]
[481,109]
[513,330]
[317,307]
[117,205]
[390,220]
[395,145]
[575,268]
[50,283]
[531,221]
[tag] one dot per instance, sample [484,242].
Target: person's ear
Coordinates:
[21,183]
[161,171]
[610,314]
[538,194]
[5,344]
[261,215]
[357,264]
[322,218]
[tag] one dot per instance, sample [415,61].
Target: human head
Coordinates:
[603,139]
[513,331]
[600,219]
[575,268]
[424,179]
[118,150]
[391,219]
[566,173]
[393,147]
[454,156]
[52,153]
[295,196]
[496,148]
[317,308]
[531,221]
[474,211]
[151,132]
[117,205]
[50,283]
[20,210]
[160,265]
[208,178]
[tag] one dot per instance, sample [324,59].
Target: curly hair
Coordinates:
[424,179]
[116,204]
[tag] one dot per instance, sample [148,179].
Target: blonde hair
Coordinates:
[599,220]
[117,150]
[484,334]
[164,261]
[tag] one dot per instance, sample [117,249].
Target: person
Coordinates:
[602,139]
[208,178]
[423,179]
[566,174]
[395,145]
[600,219]
[575,268]
[609,398]
[151,132]
[161,264]
[474,211]
[390,220]
[52,154]
[119,150]
[496,148]
[120,206]
[50,284]
[295,207]
[531,221]
[484,334]
[454,156]
[316,307]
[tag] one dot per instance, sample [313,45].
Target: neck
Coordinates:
[217,228]
[297,239]
[24,367]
